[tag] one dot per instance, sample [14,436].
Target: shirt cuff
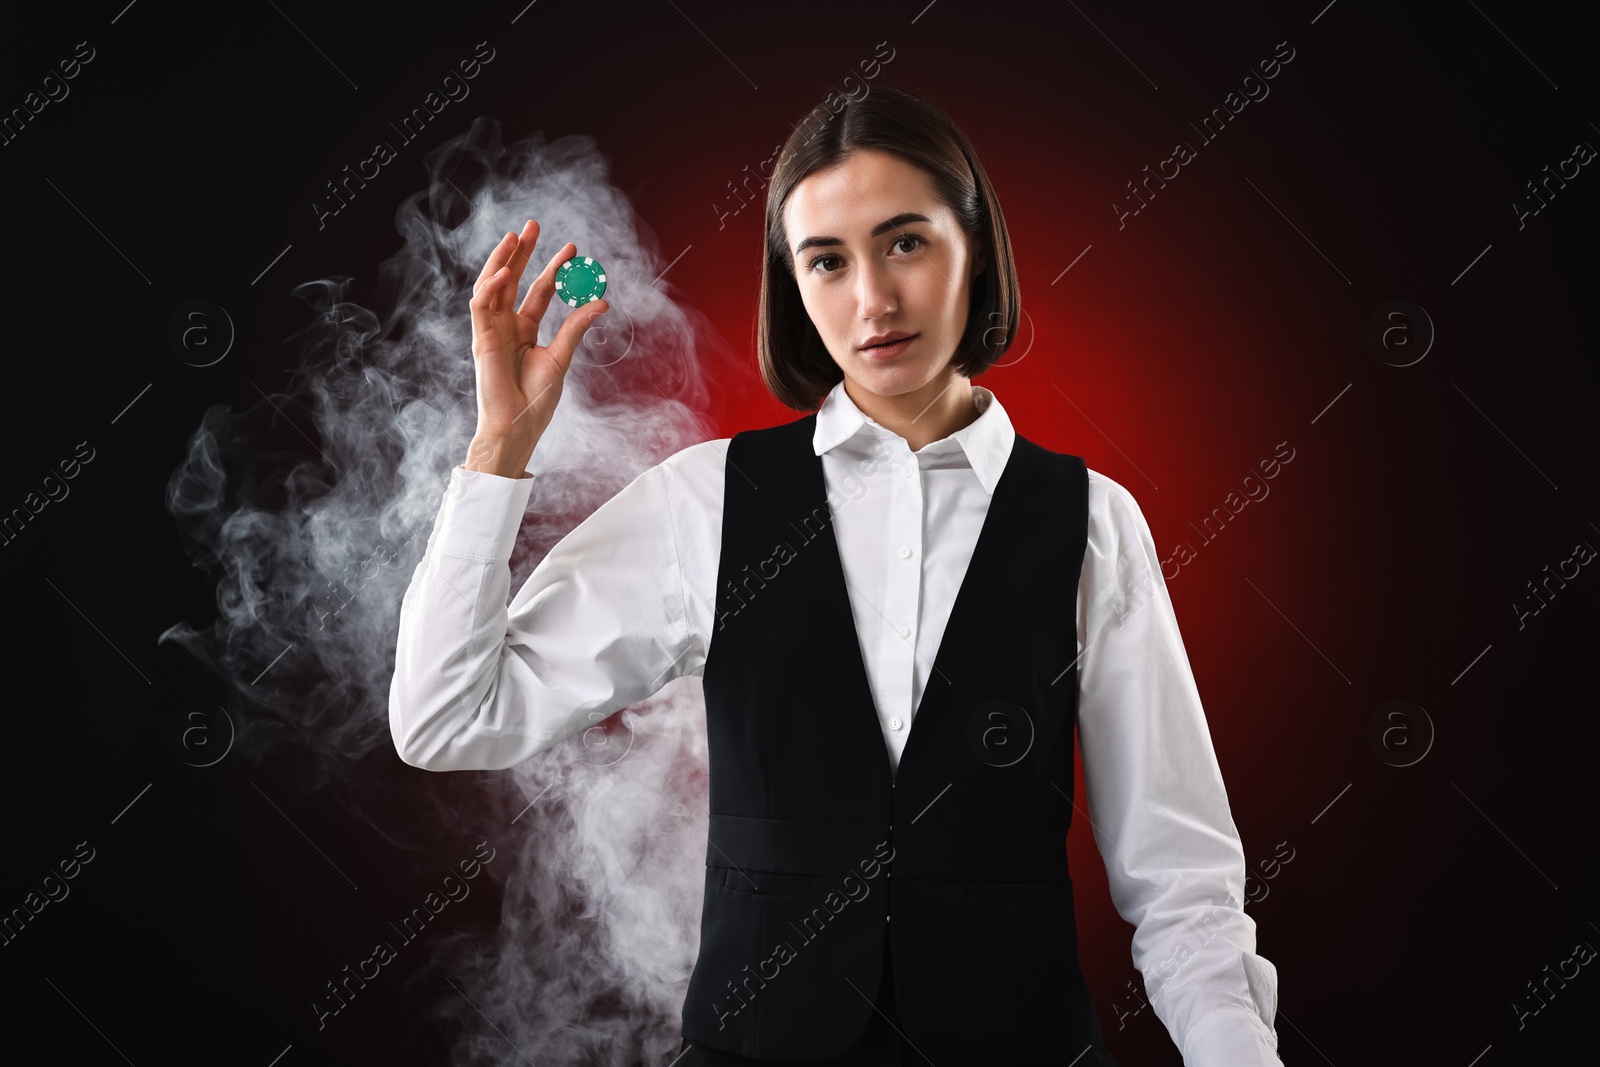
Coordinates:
[1230,1036]
[481,514]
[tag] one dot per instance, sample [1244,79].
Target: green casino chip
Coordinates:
[580,280]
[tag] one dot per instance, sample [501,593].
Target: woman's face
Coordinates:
[876,252]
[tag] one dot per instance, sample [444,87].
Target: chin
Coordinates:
[890,379]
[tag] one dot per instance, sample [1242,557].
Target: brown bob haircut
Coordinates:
[794,362]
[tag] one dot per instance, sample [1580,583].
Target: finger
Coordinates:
[544,286]
[521,252]
[495,260]
[571,333]
[484,301]
[499,256]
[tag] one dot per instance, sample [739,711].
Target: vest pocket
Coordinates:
[783,973]
[766,883]
[1017,892]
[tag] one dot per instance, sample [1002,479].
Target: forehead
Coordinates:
[851,197]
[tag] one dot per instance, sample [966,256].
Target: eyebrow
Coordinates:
[878,230]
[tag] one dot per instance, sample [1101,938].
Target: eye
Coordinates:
[920,241]
[816,265]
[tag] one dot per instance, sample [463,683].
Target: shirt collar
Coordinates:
[985,443]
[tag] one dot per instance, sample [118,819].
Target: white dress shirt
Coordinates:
[624,603]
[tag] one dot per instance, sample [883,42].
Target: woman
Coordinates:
[897,558]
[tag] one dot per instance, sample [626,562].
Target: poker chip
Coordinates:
[580,280]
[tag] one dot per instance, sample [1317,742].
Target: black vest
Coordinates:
[818,851]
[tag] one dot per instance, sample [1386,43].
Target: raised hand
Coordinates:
[519,381]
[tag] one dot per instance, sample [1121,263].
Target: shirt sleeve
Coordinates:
[1160,815]
[600,624]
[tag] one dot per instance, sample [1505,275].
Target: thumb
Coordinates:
[572,331]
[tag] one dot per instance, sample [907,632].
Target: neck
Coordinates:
[935,411]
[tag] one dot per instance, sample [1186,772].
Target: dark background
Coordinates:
[1230,315]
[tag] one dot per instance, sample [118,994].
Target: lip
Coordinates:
[880,338]
[901,342]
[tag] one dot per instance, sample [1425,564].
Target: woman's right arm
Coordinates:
[599,624]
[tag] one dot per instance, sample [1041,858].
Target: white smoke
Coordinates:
[312,549]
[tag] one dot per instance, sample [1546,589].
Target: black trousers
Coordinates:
[881,1046]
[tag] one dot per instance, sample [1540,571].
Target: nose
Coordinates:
[875,293]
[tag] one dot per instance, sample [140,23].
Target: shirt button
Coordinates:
[908,470]
[904,631]
[895,723]
[905,552]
